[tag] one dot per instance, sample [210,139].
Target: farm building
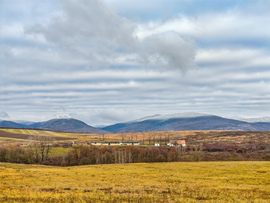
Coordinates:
[108,143]
[177,143]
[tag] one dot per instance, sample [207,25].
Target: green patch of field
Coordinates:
[155,182]
[58,151]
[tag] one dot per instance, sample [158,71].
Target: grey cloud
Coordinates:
[90,30]
[5,53]
[170,48]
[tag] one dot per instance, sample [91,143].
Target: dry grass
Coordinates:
[191,137]
[156,182]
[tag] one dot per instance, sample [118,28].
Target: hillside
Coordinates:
[170,122]
[192,122]
[11,124]
[66,125]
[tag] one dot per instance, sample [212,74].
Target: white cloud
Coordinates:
[234,57]
[227,27]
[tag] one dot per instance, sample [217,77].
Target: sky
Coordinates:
[109,61]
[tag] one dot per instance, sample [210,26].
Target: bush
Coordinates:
[84,161]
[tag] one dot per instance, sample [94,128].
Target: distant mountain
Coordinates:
[11,124]
[187,121]
[170,122]
[265,126]
[169,116]
[26,123]
[69,125]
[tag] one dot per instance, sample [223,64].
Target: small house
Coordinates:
[177,143]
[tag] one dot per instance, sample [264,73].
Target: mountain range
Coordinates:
[186,121]
[66,125]
[170,122]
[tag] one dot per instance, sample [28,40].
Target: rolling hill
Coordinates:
[190,121]
[11,124]
[170,122]
[67,125]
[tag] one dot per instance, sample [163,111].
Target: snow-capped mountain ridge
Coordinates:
[256,120]
[171,116]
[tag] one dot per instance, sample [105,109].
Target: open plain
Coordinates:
[151,182]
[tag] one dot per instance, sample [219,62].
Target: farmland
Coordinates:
[75,149]
[155,182]
[185,181]
[10,136]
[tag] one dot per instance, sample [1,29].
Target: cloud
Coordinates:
[232,58]
[4,115]
[90,30]
[45,60]
[232,27]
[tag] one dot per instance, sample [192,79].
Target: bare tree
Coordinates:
[160,137]
[41,146]
[154,137]
[143,135]
[131,135]
[149,138]
[123,135]
[169,136]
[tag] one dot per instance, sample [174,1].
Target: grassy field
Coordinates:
[21,136]
[42,133]
[9,136]
[155,182]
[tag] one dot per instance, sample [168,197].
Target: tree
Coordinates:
[143,135]
[41,146]
[123,135]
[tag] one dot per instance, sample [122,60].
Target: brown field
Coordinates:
[240,138]
[197,137]
[6,134]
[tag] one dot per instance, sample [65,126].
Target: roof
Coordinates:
[177,142]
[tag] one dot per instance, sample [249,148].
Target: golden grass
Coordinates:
[40,132]
[78,137]
[155,182]
[191,137]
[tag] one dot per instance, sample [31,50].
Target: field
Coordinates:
[141,182]
[155,182]
[21,136]
[11,136]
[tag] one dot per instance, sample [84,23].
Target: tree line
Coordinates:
[89,154]
[38,152]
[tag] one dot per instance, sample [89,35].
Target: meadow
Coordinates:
[240,138]
[144,182]
[238,181]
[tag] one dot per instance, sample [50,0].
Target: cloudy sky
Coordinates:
[107,61]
